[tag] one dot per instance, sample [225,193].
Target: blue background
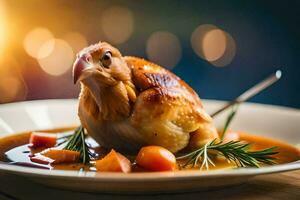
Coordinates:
[266,34]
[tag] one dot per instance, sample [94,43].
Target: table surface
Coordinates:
[274,186]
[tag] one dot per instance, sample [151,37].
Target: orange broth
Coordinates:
[286,152]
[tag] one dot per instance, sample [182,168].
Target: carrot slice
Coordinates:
[38,139]
[38,158]
[61,156]
[156,158]
[114,162]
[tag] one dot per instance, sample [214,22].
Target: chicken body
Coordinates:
[129,102]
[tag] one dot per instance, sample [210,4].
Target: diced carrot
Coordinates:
[38,139]
[61,156]
[156,158]
[38,158]
[114,162]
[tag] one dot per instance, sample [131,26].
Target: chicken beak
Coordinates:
[81,64]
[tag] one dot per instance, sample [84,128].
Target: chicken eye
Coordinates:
[106,59]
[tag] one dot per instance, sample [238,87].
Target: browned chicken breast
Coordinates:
[127,102]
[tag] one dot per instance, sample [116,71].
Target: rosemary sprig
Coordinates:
[77,143]
[235,151]
[229,119]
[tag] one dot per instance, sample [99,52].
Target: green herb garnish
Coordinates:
[229,119]
[77,143]
[235,151]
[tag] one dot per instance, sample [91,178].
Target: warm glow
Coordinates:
[12,85]
[35,39]
[229,53]
[117,24]
[164,48]
[213,44]
[60,58]
[2,27]
[12,88]
[46,49]
[76,40]
[197,38]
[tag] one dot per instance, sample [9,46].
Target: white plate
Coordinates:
[277,122]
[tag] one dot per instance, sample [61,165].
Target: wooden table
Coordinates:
[275,186]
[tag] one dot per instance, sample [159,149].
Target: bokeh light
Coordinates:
[60,58]
[35,39]
[164,48]
[9,88]
[46,49]
[3,31]
[12,84]
[197,38]
[117,24]
[229,53]
[76,40]
[213,45]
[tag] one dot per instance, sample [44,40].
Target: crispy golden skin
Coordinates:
[150,106]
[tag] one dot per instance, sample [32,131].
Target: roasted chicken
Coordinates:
[127,102]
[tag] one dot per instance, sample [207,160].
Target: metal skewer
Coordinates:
[251,92]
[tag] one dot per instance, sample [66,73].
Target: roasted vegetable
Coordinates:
[113,162]
[39,139]
[56,156]
[156,158]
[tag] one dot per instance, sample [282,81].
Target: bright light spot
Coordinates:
[117,24]
[35,39]
[11,88]
[164,48]
[12,84]
[76,40]
[59,60]
[278,74]
[46,49]
[229,53]
[2,27]
[197,38]
[214,44]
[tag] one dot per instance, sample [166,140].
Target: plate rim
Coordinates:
[147,176]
